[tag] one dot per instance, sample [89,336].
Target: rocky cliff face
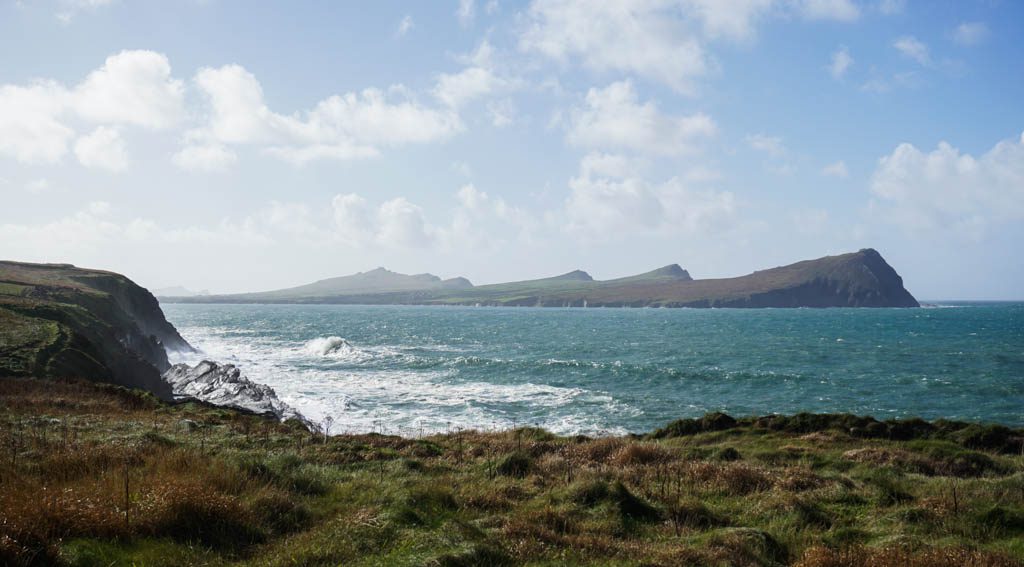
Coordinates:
[63,321]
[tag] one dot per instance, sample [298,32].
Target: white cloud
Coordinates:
[970,33]
[841,62]
[208,157]
[946,188]
[837,169]
[771,145]
[237,112]
[405,26]
[600,207]
[466,12]
[835,10]
[647,38]
[477,80]
[734,19]
[351,218]
[30,128]
[396,223]
[349,126]
[456,89]
[132,87]
[614,118]
[401,224]
[102,149]
[912,48]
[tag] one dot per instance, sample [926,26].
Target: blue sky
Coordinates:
[236,146]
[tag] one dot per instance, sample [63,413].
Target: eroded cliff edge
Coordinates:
[57,320]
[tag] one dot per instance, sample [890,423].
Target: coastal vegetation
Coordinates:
[97,474]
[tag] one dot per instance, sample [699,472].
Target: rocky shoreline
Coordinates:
[224,385]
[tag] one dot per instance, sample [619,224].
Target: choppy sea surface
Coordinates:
[415,370]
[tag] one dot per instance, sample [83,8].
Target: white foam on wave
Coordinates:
[361,388]
[325,346]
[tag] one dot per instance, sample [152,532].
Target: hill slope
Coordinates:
[61,321]
[857,279]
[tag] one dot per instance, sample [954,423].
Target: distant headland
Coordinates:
[857,279]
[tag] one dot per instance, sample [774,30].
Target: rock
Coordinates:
[224,385]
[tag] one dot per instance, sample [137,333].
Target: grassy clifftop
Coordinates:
[59,320]
[98,475]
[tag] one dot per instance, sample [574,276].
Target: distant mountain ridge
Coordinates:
[857,279]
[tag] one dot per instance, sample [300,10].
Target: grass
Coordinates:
[207,486]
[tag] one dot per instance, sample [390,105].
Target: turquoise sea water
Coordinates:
[414,370]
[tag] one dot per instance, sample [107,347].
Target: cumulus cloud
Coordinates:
[349,126]
[947,188]
[607,201]
[396,223]
[970,33]
[30,127]
[647,38]
[841,62]
[912,48]
[131,88]
[659,40]
[102,149]
[613,117]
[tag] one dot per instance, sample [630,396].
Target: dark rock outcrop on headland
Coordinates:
[57,320]
[858,279]
[224,385]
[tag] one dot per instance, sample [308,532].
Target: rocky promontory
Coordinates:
[224,385]
[57,320]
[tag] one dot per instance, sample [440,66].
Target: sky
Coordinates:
[241,146]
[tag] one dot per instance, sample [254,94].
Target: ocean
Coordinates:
[416,370]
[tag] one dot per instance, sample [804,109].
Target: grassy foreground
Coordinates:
[99,475]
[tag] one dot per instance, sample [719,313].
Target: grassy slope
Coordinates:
[209,486]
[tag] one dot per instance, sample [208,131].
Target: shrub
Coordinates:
[693,514]
[1003,519]
[631,506]
[640,454]
[191,514]
[280,513]
[516,465]
[750,546]
[590,493]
